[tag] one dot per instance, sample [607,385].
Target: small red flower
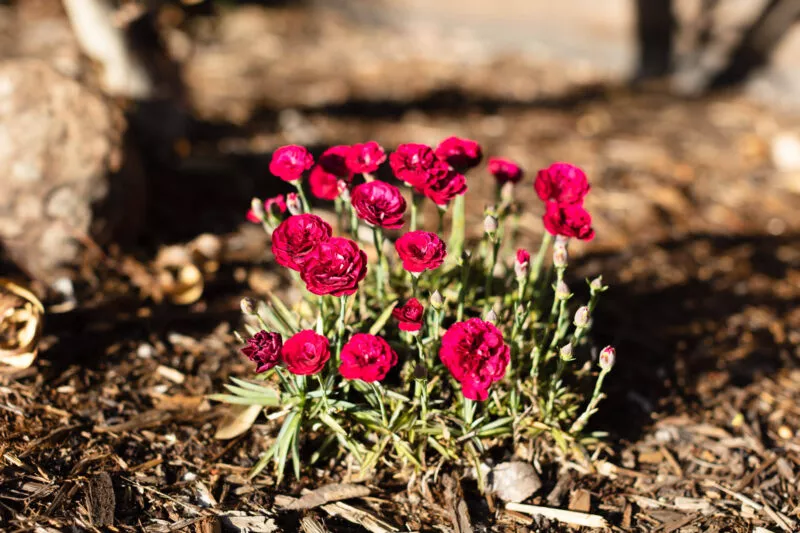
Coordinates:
[379,204]
[410,315]
[523,257]
[334,160]
[367,357]
[305,353]
[420,251]
[252,217]
[461,154]
[365,158]
[324,185]
[562,183]
[296,237]
[442,187]
[504,170]
[278,202]
[264,349]
[335,267]
[289,162]
[570,220]
[412,162]
[476,355]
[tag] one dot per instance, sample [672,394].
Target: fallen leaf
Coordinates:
[21,317]
[239,419]
[328,494]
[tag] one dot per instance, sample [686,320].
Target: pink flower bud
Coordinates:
[248,306]
[507,192]
[582,317]
[490,224]
[293,203]
[344,192]
[607,357]
[566,352]
[560,255]
[256,213]
[437,302]
[562,291]
[596,285]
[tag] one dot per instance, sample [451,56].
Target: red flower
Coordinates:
[324,185]
[504,170]
[561,182]
[365,158]
[474,352]
[289,162]
[410,315]
[367,357]
[264,349]
[461,154]
[442,187]
[334,160]
[305,353]
[412,163]
[379,204]
[336,267]
[570,220]
[296,237]
[278,202]
[420,250]
[523,257]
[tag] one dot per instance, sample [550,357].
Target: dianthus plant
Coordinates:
[413,347]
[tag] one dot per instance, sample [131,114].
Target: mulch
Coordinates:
[698,236]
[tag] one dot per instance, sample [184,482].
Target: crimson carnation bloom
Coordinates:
[504,170]
[412,162]
[461,154]
[410,315]
[334,160]
[570,220]
[379,204]
[420,250]
[336,267]
[475,354]
[305,353]
[562,183]
[444,186]
[324,185]
[365,158]
[264,349]
[523,256]
[289,162]
[367,357]
[296,237]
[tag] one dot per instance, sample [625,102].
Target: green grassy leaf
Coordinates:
[382,319]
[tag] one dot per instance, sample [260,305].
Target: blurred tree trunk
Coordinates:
[759,42]
[655,28]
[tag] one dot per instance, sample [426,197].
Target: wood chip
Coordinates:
[360,517]
[250,524]
[567,517]
[171,374]
[580,500]
[311,524]
[327,494]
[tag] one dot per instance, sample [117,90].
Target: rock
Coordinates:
[515,481]
[61,169]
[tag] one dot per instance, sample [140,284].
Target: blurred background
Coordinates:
[133,135]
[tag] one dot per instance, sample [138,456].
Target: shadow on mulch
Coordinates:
[679,344]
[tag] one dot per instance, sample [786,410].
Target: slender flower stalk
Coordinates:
[536,268]
[377,235]
[303,200]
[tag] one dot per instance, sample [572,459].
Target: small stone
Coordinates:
[785,432]
[785,148]
[515,481]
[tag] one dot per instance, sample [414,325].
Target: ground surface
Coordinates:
[698,233]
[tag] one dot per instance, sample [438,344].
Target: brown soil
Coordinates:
[698,235]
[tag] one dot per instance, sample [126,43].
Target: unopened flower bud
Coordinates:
[437,302]
[490,224]
[293,203]
[248,306]
[507,192]
[491,316]
[257,207]
[596,284]
[607,357]
[566,352]
[344,192]
[582,317]
[560,255]
[521,263]
[562,291]
[521,309]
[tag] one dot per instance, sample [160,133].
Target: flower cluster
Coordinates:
[393,358]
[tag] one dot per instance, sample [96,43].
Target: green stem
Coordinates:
[581,422]
[422,384]
[376,388]
[490,274]
[441,211]
[415,198]
[340,325]
[457,228]
[414,282]
[377,235]
[468,412]
[303,200]
[462,289]
[536,267]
